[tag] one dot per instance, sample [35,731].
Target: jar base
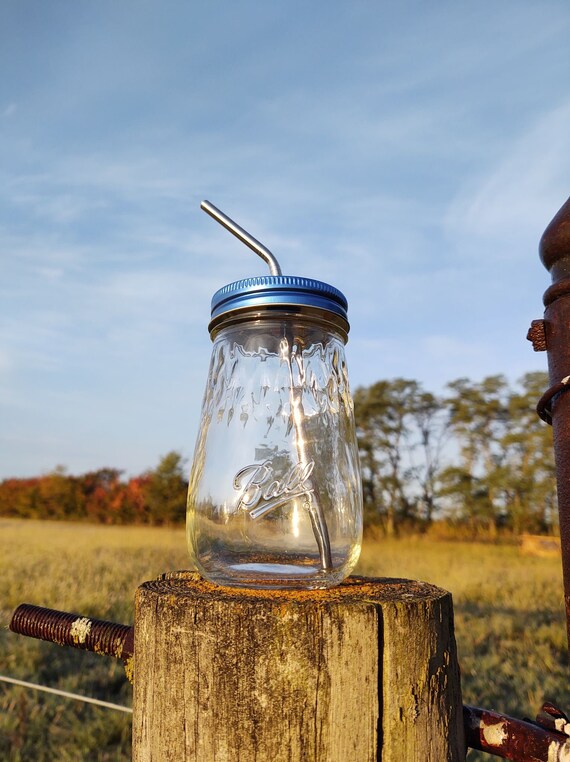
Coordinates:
[275,576]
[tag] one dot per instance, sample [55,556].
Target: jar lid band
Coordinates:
[278,290]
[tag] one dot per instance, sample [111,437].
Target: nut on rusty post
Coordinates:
[537,336]
[77,631]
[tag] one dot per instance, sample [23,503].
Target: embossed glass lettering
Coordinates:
[262,492]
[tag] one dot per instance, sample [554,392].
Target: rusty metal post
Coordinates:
[554,335]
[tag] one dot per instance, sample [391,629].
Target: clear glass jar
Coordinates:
[274,499]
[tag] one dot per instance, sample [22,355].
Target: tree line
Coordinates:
[476,455]
[156,497]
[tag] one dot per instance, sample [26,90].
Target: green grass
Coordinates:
[509,622]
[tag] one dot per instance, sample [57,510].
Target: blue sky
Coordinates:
[409,153]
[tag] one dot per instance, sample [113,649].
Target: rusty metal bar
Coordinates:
[553,334]
[517,740]
[78,631]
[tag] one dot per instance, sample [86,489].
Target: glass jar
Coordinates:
[274,499]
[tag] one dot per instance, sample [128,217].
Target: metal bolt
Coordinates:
[537,335]
[78,631]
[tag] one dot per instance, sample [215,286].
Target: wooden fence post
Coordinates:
[359,672]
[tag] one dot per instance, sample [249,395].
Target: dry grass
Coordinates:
[508,613]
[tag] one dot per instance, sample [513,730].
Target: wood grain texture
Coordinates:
[360,672]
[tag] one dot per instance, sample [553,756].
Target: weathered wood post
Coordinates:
[360,672]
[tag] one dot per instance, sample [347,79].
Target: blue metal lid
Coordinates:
[278,291]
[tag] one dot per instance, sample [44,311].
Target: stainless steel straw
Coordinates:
[318,521]
[261,250]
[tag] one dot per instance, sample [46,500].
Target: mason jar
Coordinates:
[274,498]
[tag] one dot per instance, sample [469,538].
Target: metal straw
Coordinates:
[261,250]
[311,501]
[318,521]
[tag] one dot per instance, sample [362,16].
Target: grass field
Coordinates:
[509,622]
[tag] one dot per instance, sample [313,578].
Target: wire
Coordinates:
[76,696]
[544,406]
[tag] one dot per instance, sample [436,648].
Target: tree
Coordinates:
[130,506]
[19,498]
[526,475]
[428,416]
[100,490]
[399,430]
[59,495]
[165,490]
[477,416]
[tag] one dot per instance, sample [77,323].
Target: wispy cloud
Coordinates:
[513,200]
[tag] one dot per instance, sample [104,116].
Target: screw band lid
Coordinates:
[276,291]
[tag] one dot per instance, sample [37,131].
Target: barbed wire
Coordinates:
[65,694]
